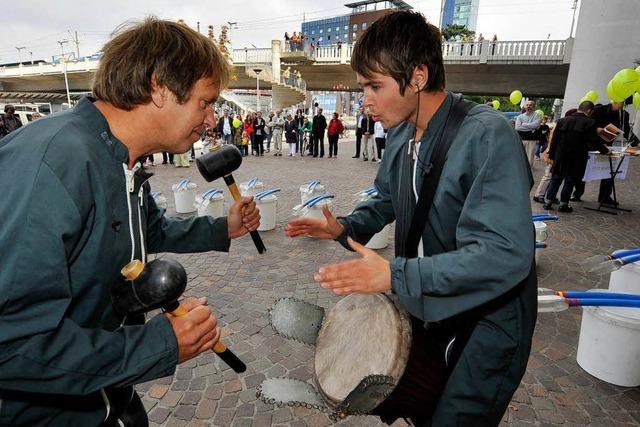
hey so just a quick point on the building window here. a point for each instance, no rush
(320, 32)
(337, 29)
(320, 39)
(355, 35)
(313, 32)
(346, 27)
(364, 25)
(355, 27)
(329, 30)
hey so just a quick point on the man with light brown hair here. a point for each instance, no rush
(66, 357)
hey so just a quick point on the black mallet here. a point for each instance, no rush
(159, 284)
(221, 164)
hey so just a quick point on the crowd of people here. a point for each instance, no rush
(258, 135)
(565, 149)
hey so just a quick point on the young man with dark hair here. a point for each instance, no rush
(66, 357)
(468, 273)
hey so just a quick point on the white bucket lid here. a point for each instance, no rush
(190, 186)
(267, 199)
(624, 316)
(304, 188)
(540, 225)
(215, 197)
(258, 184)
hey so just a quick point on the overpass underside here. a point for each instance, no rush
(539, 80)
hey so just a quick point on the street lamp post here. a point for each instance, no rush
(19, 49)
(257, 71)
(64, 69)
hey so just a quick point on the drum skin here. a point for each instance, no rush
(362, 335)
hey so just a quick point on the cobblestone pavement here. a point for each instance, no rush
(242, 285)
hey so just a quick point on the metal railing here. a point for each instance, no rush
(260, 55)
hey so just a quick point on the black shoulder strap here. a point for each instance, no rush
(438, 158)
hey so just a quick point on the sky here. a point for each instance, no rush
(36, 26)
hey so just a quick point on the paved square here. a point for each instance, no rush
(242, 285)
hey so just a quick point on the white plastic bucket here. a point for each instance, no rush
(541, 235)
(627, 279)
(160, 200)
(213, 206)
(267, 206)
(314, 211)
(380, 240)
(246, 189)
(609, 344)
(185, 197)
(307, 193)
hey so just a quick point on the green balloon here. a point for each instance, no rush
(584, 98)
(636, 100)
(540, 113)
(625, 82)
(638, 69)
(612, 94)
(496, 104)
(592, 96)
(515, 97)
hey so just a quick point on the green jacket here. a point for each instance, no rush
(478, 246)
(71, 219)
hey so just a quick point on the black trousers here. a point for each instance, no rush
(606, 188)
(318, 143)
(358, 142)
(333, 145)
(165, 155)
(554, 186)
(380, 145)
(578, 189)
(258, 142)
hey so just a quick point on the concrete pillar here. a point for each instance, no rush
(275, 59)
(606, 41)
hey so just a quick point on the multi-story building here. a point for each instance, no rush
(460, 12)
(347, 28)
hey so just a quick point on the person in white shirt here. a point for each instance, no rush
(380, 134)
(527, 125)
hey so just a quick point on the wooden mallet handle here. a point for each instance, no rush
(233, 188)
(219, 348)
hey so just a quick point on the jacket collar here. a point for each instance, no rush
(99, 125)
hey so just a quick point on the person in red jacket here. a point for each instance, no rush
(333, 133)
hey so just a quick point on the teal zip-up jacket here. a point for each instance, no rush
(478, 247)
(72, 217)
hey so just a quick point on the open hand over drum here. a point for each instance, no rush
(369, 274)
(328, 228)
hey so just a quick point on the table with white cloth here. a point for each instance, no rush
(607, 166)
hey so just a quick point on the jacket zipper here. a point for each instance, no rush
(129, 175)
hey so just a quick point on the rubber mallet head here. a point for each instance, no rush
(220, 163)
(147, 287)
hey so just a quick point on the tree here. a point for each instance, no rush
(210, 34)
(223, 41)
(455, 32)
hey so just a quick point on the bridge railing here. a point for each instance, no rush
(545, 50)
(244, 56)
(465, 52)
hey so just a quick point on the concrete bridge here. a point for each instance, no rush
(537, 68)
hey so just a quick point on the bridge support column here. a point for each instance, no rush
(605, 42)
(275, 59)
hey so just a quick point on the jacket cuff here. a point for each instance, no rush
(162, 332)
(346, 232)
(220, 235)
